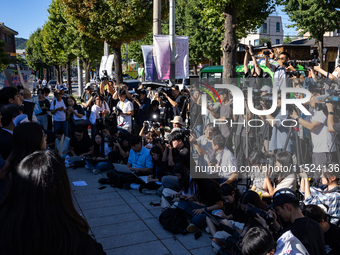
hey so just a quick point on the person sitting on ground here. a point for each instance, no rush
(158, 171)
(65, 150)
(257, 175)
(80, 145)
(140, 159)
(8, 112)
(328, 195)
(41, 187)
(284, 178)
(207, 197)
(259, 240)
(232, 204)
(250, 197)
(27, 138)
(100, 160)
(308, 231)
(331, 231)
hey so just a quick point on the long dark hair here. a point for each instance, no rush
(251, 197)
(40, 200)
(286, 160)
(155, 149)
(208, 191)
(27, 138)
(227, 190)
(99, 150)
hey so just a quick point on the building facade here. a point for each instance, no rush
(271, 28)
(8, 36)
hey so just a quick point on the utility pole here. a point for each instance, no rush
(80, 76)
(172, 41)
(156, 31)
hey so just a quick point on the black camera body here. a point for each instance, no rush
(111, 139)
(213, 162)
(162, 91)
(313, 62)
(117, 111)
(105, 77)
(252, 210)
(159, 139)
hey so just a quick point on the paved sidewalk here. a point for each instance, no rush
(124, 222)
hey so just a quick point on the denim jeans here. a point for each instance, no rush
(196, 219)
(169, 181)
(42, 120)
(103, 165)
(61, 124)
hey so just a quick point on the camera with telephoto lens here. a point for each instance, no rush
(111, 139)
(105, 77)
(313, 62)
(291, 62)
(162, 91)
(117, 111)
(293, 73)
(162, 141)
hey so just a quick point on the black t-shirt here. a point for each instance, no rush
(79, 109)
(253, 81)
(182, 156)
(332, 240)
(44, 103)
(176, 111)
(82, 146)
(310, 234)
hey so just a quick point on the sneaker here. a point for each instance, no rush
(87, 167)
(192, 228)
(96, 171)
(134, 186)
(148, 192)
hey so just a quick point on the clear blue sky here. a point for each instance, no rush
(26, 16)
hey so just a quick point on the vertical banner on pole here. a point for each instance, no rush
(148, 61)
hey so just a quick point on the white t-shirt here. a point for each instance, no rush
(124, 121)
(95, 110)
(59, 115)
(227, 162)
(322, 140)
(66, 144)
(44, 82)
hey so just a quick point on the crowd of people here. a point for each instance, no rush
(162, 138)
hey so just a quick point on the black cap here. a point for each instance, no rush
(283, 196)
(121, 92)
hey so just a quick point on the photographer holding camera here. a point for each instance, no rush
(124, 111)
(322, 140)
(87, 97)
(256, 71)
(143, 104)
(176, 102)
(331, 76)
(98, 112)
(280, 71)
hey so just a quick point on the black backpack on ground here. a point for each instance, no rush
(119, 179)
(174, 220)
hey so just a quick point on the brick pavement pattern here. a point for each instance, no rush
(124, 222)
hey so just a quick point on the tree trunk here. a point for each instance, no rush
(195, 69)
(68, 73)
(57, 69)
(229, 43)
(320, 48)
(87, 64)
(118, 64)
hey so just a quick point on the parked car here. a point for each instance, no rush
(52, 84)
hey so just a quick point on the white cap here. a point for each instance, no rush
(266, 88)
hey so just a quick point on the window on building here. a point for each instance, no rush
(10, 41)
(338, 31)
(4, 37)
(277, 41)
(249, 42)
(277, 26)
(263, 29)
(256, 42)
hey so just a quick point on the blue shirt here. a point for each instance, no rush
(142, 159)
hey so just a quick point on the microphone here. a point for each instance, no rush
(326, 98)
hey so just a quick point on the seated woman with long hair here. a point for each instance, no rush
(284, 178)
(38, 215)
(28, 137)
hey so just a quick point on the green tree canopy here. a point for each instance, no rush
(287, 39)
(234, 18)
(313, 16)
(4, 59)
(113, 21)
